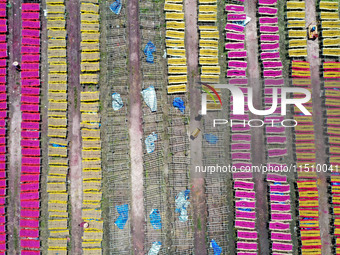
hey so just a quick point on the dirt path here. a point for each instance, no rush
(14, 125)
(321, 157)
(136, 130)
(74, 88)
(290, 133)
(44, 126)
(197, 181)
(257, 136)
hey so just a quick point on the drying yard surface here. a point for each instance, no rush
(106, 147)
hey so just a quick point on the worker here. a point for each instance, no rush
(84, 225)
(17, 66)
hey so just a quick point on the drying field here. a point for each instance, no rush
(99, 104)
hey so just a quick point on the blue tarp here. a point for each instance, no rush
(123, 211)
(155, 219)
(57, 145)
(243, 22)
(117, 101)
(217, 249)
(179, 103)
(212, 139)
(154, 250)
(116, 6)
(149, 96)
(277, 193)
(244, 209)
(148, 50)
(181, 205)
(150, 142)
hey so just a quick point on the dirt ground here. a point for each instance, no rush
(14, 125)
(197, 181)
(136, 131)
(74, 88)
(257, 141)
(321, 157)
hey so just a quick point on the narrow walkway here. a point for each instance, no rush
(74, 88)
(321, 157)
(44, 130)
(13, 143)
(197, 180)
(257, 136)
(136, 130)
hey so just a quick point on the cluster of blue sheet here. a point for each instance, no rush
(212, 139)
(149, 49)
(123, 211)
(150, 142)
(116, 6)
(154, 250)
(155, 219)
(117, 102)
(150, 98)
(217, 249)
(182, 203)
(179, 103)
